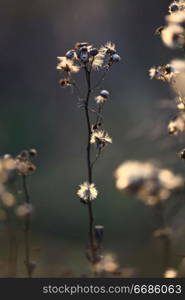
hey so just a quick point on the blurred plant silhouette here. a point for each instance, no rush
(11, 207)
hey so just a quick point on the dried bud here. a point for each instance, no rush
(173, 8)
(182, 154)
(70, 54)
(115, 58)
(169, 69)
(83, 54)
(65, 83)
(24, 167)
(99, 231)
(96, 126)
(84, 57)
(159, 30)
(24, 154)
(93, 52)
(33, 152)
(104, 93)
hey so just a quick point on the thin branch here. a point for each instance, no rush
(96, 158)
(89, 167)
(102, 78)
(28, 263)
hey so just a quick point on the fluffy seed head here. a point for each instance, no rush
(87, 192)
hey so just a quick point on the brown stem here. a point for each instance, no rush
(89, 167)
(28, 263)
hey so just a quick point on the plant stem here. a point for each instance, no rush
(27, 229)
(89, 167)
(165, 239)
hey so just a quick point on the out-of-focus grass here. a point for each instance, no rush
(55, 257)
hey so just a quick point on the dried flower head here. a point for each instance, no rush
(176, 6)
(98, 60)
(87, 192)
(8, 199)
(107, 264)
(24, 210)
(176, 18)
(178, 65)
(169, 180)
(100, 138)
(70, 54)
(173, 36)
(164, 73)
(24, 165)
(110, 48)
(170, 273)
(180, 101)
(67, 65)
(177, 125)
(149, 183)
(65, 83)
(102, 97)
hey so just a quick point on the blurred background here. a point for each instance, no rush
(36, 113)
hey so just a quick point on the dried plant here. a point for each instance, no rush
(173, 36)
(25, 167)
(84, 57)
(10, 170)
(153, 186)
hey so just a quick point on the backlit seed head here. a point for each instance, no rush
(87, 192)
(110, 48)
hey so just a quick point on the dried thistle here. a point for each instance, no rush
(173, 36)
(88, 58)
(24, 168)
